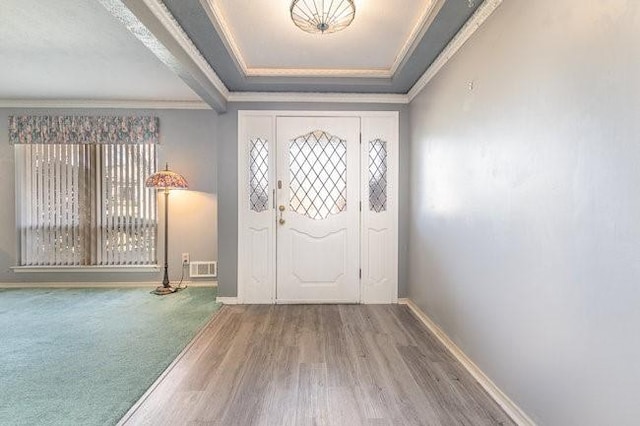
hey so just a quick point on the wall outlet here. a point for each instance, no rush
(185, 258)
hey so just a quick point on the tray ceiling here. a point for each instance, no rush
(254, 46)
(264, 42)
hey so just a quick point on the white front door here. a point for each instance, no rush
(318, 209)
(335, 175)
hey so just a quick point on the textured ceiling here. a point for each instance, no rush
(254, 45)
(75, 49)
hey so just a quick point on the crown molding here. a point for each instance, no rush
(374, 98)
(294, 97)
(219, 22)
(468, 29)
(165, 17)
(106, 104)
(222, 27)
(417, 32)
(318, 72)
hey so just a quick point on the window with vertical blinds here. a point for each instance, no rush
(82, 204)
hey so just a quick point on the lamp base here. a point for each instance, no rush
(163, 291)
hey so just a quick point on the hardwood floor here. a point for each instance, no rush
(317, 365)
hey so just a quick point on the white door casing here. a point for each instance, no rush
(259, 134)
(318, 199)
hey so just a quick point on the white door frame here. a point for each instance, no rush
(378, 231)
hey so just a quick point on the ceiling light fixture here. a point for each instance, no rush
(322, 16)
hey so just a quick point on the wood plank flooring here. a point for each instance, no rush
(317, 365)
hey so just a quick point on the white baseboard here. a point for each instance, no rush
(201, 283)
(228, 300)
(78, 284)
(510, 407)
(104, 284)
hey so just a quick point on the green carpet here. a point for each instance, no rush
(85, 356)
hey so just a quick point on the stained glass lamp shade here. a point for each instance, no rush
(322, 16)
(166, 180)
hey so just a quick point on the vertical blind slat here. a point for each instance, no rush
(109, 207)
(64, 207)
(75, 155)
(48, 192)
(97, 205)
(85, 233)
(25, 205)
(138, 197)
(58, 206)
(116, 199)
(130, 218)
(125, 210)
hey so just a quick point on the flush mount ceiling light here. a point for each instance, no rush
(322, 16)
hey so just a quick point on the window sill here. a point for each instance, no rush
(87, 269)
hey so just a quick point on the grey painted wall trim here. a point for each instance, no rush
(470, 27)
(103, 104)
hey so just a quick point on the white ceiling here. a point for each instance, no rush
(75, 49)
(265, 42)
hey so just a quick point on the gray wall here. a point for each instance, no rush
(188, 142)
(228, 184)
(525, 208)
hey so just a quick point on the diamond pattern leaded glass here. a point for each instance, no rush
(259, 175)
(318, 175)
(378, 175)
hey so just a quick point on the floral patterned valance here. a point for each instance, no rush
(61, 129)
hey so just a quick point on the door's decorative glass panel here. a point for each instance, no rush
(378, 175)
(259, 175)
(318, 175)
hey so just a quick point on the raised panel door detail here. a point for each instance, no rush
(377, 256)
(259, 255)
(309, 267)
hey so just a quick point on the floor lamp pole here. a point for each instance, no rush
(165, 280)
